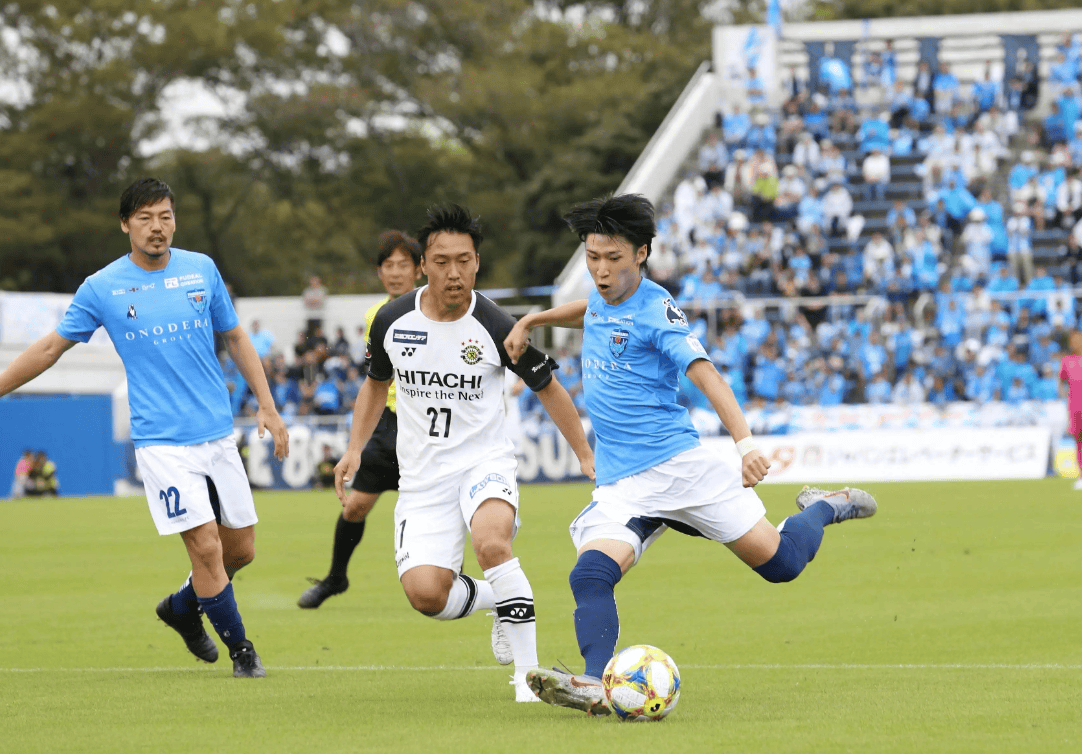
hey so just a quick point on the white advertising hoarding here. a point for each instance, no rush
(915, 455)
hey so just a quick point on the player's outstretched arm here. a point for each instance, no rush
(705, 377)
(367, 409)
(570, 314)
(558, 404)
(39, 356)
(244, 355)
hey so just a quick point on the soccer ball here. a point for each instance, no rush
(641, 683)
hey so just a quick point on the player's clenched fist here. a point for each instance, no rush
(343, 472)
(516, 341)
(754, 467)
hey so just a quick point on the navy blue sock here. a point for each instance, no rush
(597, 624)
(184, 602)
(222, 612)
(800, 539)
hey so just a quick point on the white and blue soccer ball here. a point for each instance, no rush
(641, 683)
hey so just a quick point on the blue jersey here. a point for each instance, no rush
(632, 357)
(162, 324)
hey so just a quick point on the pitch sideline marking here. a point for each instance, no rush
(437, 668)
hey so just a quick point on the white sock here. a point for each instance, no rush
(467, 596)
(514, 605)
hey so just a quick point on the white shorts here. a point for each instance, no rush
(695, 492)
(177, 480)
(430, 526)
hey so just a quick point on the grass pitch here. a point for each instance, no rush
(949, 622)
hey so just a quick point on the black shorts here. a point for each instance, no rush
(379, 459)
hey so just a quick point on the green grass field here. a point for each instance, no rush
(949, 622)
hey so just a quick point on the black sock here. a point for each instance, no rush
(347, 535)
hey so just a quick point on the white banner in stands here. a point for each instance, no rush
(916, 455)
(738, 47)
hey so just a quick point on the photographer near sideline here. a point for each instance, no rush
(42, 477)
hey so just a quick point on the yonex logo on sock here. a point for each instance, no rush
(517, 610)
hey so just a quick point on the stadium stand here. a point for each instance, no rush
(887, 219)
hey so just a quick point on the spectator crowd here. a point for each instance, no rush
(321, 376)
(876, 239)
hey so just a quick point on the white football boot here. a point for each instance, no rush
(501, 645)
(523, 693)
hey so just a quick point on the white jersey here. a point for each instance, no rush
(449, 378)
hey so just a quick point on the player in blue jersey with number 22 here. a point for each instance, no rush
(161, 307)
(652, 473)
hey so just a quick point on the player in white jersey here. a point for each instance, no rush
(652, 473)
(443, 347)
(161, 307)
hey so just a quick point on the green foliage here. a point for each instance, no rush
(91, 76)
(356, 116)
(559, 112)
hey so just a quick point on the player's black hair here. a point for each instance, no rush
(626, 216)
(450, 218)
(390, 241)
(141, 193)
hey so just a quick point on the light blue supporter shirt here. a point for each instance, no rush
(162, 324)
(632, 357)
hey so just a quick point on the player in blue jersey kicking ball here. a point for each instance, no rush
(161, 307)
(652, 473)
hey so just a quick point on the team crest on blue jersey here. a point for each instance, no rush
(131, 312)
(673, 313)
(618, 342)
(198, 300)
